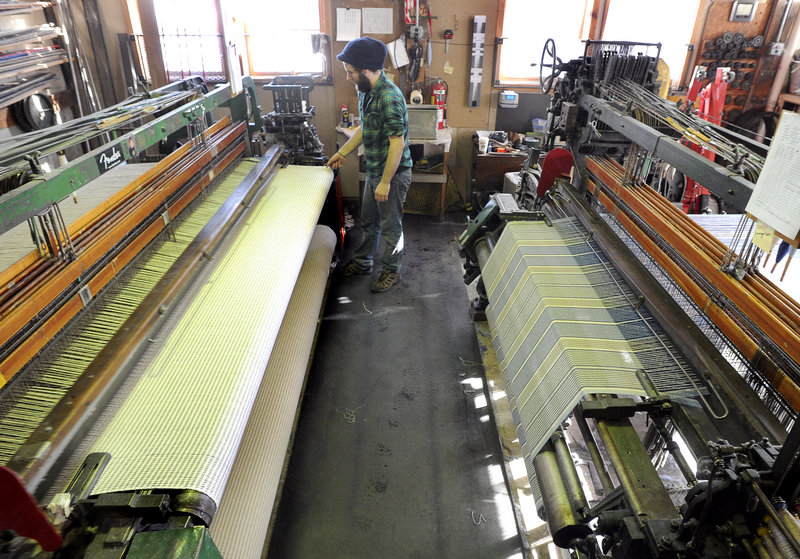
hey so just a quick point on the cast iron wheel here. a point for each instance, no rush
(555, 66)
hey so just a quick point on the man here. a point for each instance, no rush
(384, 133)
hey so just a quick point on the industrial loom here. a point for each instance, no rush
(652, 370)
(160, 295)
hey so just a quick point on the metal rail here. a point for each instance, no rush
(725, 183)
(19, 204)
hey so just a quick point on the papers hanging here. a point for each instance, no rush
(377, 21)
(348, 24)
(776, 197)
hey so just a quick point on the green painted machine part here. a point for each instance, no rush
(180, 543)
(475, 227)
(39, 194)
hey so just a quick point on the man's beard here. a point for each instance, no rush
(362, 83)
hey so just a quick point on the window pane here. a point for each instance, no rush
(669, 23)
(285, 47)
(527, 24)
(190, 39)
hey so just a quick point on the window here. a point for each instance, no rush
(525, 25)
(285, 47)
(193, 43)
(666, 23)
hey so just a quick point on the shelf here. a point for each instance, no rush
(27, 37)
(12, 94)
(30, 63)
(5, 6)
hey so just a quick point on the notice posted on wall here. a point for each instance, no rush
(377, 21)
(348, 24)
(776, 197)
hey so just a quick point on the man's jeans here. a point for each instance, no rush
(383, 217)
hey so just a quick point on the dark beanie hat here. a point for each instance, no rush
(364, 52)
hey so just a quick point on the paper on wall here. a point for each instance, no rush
(348, 24)
(397, 52)
(377, 21)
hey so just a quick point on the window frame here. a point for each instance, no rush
(325, 27)
(155, 57)
(599, 12)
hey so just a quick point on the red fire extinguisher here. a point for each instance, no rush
(439, 98)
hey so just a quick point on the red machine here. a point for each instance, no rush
(710, 103)
(439, 98)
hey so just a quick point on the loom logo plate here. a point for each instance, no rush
(110, 158)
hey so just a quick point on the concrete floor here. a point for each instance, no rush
(396, 453)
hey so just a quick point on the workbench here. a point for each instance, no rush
(443, 140)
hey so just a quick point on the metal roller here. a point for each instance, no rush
(564, 526)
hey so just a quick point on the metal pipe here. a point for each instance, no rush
(766, 537)
(483, 250)
(564, 527)
(68, 43)
(789, 520)
(618, 462)
(792, 537)
(568, 472)
(780, 539)
(594, 453)
(783, 20)
(758, 545)
(748, 548)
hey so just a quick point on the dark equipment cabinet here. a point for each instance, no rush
(488, 171)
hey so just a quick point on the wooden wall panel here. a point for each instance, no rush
(756, 68)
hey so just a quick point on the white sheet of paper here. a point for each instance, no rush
(398, 53)
(377, 21)
(776, 197)
(348, 24)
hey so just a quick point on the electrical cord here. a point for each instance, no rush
(415, 61)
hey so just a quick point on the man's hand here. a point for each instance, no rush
(382, 192)
(336, 161)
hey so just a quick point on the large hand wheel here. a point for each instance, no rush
(555, 66)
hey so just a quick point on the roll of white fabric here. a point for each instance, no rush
(240, 525)
(181, 426)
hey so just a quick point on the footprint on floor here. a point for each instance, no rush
(383, 449)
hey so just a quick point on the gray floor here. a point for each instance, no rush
(417, 471)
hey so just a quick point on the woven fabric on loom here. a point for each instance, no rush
(180, 428)
(565, 326)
